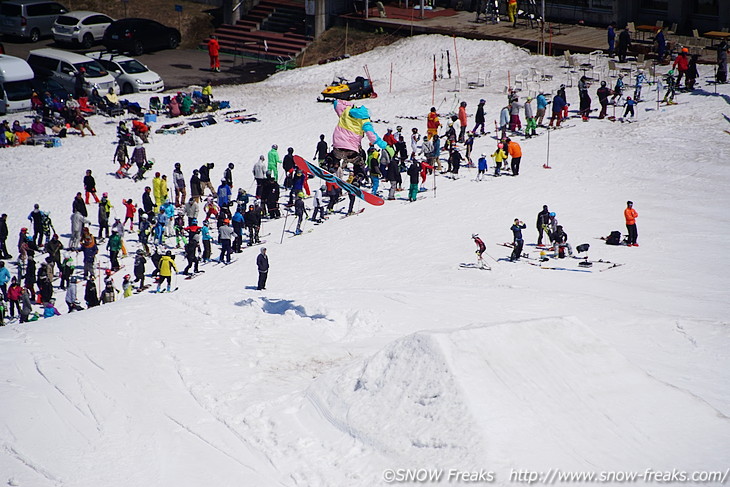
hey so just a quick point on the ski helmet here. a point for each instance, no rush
(482, 101)
(552, 213)
(603, 83)
(474, 235)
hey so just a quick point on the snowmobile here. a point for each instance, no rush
(341, 89)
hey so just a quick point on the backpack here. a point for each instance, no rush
(614, 238)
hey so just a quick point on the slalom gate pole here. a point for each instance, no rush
(547, 162)
(456, 53)
(390, 88)
(433, 171)
(283, 229)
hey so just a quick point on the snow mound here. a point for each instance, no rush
(537, 393)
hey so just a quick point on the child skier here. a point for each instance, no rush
(481, 248)
(629, 107)
(640, 80)
(482, 167)
(499, 157)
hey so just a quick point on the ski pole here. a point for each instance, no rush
(495, 260)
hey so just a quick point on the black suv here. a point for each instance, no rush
(138, 36)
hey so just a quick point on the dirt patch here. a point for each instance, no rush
(195, 23)
(338, 41)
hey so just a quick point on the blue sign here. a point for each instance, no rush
(178, 8)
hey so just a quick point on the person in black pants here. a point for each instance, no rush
(4, 236)
(262, 262)
(543, 218)
(518, 242)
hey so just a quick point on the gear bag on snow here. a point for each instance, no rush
(614, 238)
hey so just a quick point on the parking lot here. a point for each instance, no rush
(179, 68)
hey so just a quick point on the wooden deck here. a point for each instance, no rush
(558, 37)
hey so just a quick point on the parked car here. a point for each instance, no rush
(41, 85)
(81, 27)
(29, 19)
(138, 36)
(131, 75)
(15, 84)
(64, 67)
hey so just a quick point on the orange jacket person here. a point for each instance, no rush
(630, 215)
(213, 48)
(515, 151)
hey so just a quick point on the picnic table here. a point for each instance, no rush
(643, 29)
(714, 34)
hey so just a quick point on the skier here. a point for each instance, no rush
(559, 105)
(166, 266)
(413, 172)
(90, 294)
(481, 248)
(542, 104)
(629, 104)
(455, 163)
(225, 233)
(114, 245)
(585, 99)
(432, 123)
(319, 205)
(273, 162)
(105, 208)
(515, 123)
(90, 186)
(108, 294)
(517, 240)
(543, 218)
(127, 286)
(692, 73)
(640, 80)
(722, 49)
(252, 220)
(36, 217)
(671, 88)
(499, 157)
(603, 93)
(262, 264)
(71, 297)
(139, 270)
(479, 118)
(288, 165)
(618, 88)
(300, 211)
(630, 215)
(681, 63)
(482, 167)
(530, 129)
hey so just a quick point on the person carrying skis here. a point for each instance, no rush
(517, 240)
(166, 267)
(481, 248)
(630, 215)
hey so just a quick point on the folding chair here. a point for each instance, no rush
(612, 68)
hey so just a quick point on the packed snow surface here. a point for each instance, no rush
(371, 349)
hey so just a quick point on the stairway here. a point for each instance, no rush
(273, 30)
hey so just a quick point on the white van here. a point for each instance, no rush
(15, 84)
(63, 67)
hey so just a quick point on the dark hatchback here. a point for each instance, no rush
(138, 36)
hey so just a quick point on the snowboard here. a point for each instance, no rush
(309, 168)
